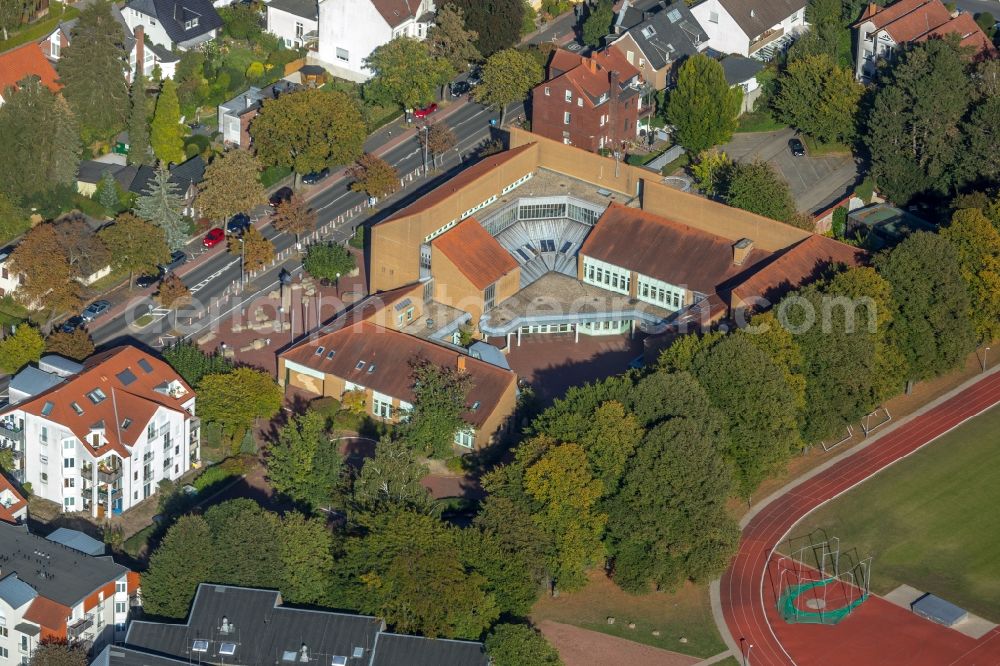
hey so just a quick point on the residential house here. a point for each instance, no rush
(138, 179)
(57, 40)
(757, 28)
(22, 62)
(655, 37)
(882, 30)
(295, 22)
(743, 72)
(99, 436)
(236, 114)
(13, 505)
(592, 102)
(173, 24)
(239, 625)
(349, 30)
(9, 280)
(49, 591)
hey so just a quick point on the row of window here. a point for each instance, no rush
(606, 275)
(661, 293)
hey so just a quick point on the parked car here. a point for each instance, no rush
(144, 281)
(71, 324)
(95, 310)
(213, 237)
(238, 224)
(459, 88)
(426, 111)
(315, 176)
(281, 196)
(795, 145)
(177, 259)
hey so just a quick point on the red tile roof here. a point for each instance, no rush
(592, 75)
(918, 20)
(969, 32)
(25, 61)
(7, 512)
(476, 254)
(396, 11)
(48, 614)
(390, 353)
(136, 399)
(663, 249)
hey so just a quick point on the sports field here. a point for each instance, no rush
(931, 520)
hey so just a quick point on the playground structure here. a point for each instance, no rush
(814, 587)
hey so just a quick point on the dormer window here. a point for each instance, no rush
(193, 23)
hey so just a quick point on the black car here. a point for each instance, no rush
(144, 281)
(459, 88)
(71, 324)
(177, 259)
(238, 224)
(315, 176)
(281, 196)
(795, 145)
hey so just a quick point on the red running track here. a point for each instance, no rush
(747, 603)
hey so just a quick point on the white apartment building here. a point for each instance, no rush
(295, 22)
(754, 28)
(99, 437)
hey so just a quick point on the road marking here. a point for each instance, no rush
(201, 285)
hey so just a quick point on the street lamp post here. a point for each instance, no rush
(336, 284)
(426, 130)
(985, 351)
(745, 653)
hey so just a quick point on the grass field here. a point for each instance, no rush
(684, 614)
(930, 520)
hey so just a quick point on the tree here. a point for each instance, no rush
(240, 527)
(107, 193)
(39, 141)
(497, 23)
(977, 244)
(508, 76)
(12, 14)
(13, 220)
(84, 250)
(309, 130)
(703, 108)
(373, 176)
(172, 291)
(237, 399)
(135, 245)
(610, 443)
(306, 554)
(139, 150)
(231, 185)
(166, 134)
(404, 72)
(598, 23)
(982, 163)
(256, 250)
(326, 261)
(184, 559)
(161, 203)
(912, 129)
(294, 216)
(711, 170)
(24, 346)
(76, 345)
(437, 140)
(450, 39)
(47, 277)
(391, 480)
(758, 187)
(520, 645)
(935, 330)
(90, 70)
(438, 404)
(514, 551)
(819, 98)
(304, 463)
(53, 652)
(192, 364)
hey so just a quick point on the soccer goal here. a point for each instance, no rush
(816, 585)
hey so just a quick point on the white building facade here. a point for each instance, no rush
(294, 22)
(757, 28)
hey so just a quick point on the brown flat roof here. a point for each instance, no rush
(476, 254)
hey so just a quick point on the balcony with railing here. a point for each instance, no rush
(109, 472)
(79, 630)
(12, 429)
(102, 494)
(766, 38)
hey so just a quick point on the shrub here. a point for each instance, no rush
(839, 222)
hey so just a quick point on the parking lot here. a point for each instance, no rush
(815, 181)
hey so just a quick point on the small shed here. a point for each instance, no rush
(938, 610)
(313, 75)
(77, 540)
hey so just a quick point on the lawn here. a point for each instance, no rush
(684, 614)
(759, 121)
(35, 31)
(816, 148)
(931, 520)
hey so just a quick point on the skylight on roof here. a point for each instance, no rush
(674, 15)
(146, 367)
(359, 652)
(475, 405)
(338, 661)
(648, 31)
(371, 368)
(227, 649)
(319, 351)
(47, 408)
(96, 396)
(289, 655)
(330, 354)
(126, 377)
(126, 422)
(76, 408)
(360, 365)
(200, 645)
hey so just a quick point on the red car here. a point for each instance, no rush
(213, 237)
(426, 111)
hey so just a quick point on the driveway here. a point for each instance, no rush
(816, 182)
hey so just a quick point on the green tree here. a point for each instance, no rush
(439, 396)
(19, 349)
(510, 549)
(373, 176)
(391, 480)
(237, 399)
(497, 24)
(53, 652)
(107, 193)
(184, 559)
(934, 326)
(610, 443)
(139, 150)
(977, 244)
(12, 14)
(511, 576)
(309, 130)
(508, 76)
(404, 72)
(703, 108)
(90, 70)
(982, 132)
(166, 134)
(758, 187)
(240, 527)
(819, 98)
(598, 23)
(231, 185)
(520, 645)
(13, 220)
(326, 261)
(294, 216)
(76, 345)
(306, 554)
(450, 39)
(679, 356)
(135, 245)
(162, 204)
(191, 363)
(912, 129)
(711, 170)
(304, 463)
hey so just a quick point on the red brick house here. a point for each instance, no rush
(592, 102)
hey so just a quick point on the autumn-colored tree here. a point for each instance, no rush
(294, 216)
(373, 176)
(172, 291)
(438, 139)
(54, 652)
(135, 245)
(231, 185)
(256, 250)
(46, 277)
(449, 38)
(76, 344)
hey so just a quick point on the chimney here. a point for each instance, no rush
(591, 64)
(461, 363)
(741, 250)
(140, 51)
(647, 14)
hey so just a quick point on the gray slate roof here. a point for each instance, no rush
(15, 591)
(173, 14)
(307, 9)
(665, 32)
(33, 381)
(137, 179)
(399, 650)
(757, 16)
(739, 69)
(59, 573)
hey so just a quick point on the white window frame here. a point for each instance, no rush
(465, 437)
